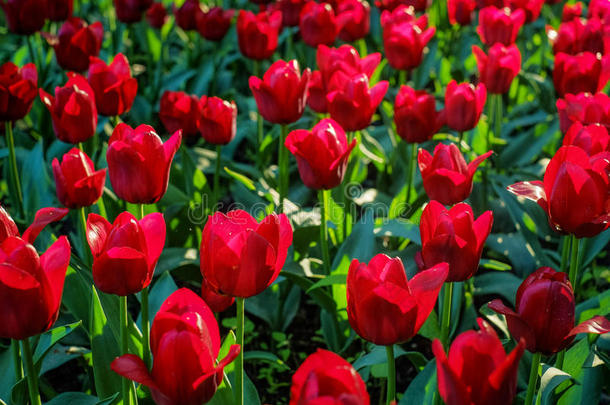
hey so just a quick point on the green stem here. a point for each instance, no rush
(259, 117)
(16, 359)
(446, 314)
(402, 78)
(531, 386)
(323, 197)
(32, 375)
(83, 222)
(101, 206)
(13, 166)
(31, 52)
(239, 362)
(497, 119)
(283, 162)
(573, 275)
(565, 253)
(124, 338)
(391, 394)
(411, 172)
(145, 327)
(461, 139)
(217, 177)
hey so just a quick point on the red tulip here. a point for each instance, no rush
(130, 11)
(499, 67)
(579, 35)
(257, 33)
(593, 138)
(460, 11)
(72, 109)
(478, 371)
(76, 42)
(453, 236)
(24, 17)
(584, 72)
(291, 11)
(76, 181)
(59, 10)
(17, 90)
(574, 192)
(384, 307)
(180, 111)
(571, 12)
(354, 105)
(481, 4)
(532, 8)
(156, 15)
(585, 108)
(354, 18)
(463, 105)
(139, 163)
(240, 257)
(113, 85)
(185, 343)
(217, 302)
(218, 121)
(214, 23)
(404, 37)
(599, 9)
(326, 378)
(391, 5)
(186, 15)
(125, 252)
(500, 25)
(318, 24)
(281, 95)
(30, 286)
(321, 154)
(415, 115)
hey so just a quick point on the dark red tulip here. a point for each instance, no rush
(544, 315)
(599, 9)
(72, 109)
(318, 24)
(156, 15)
(500, 25)
(59, 10)
(571, 12)
(391, 5)
(180, 111)
(585, 108)
(281, 95)
(463, 105)
(139, 163)
(498, 67)
(321, 154)
(24, 17)
(214, 23)
(217, 302)
(113, 85)
(186, 15)
(31, 286)
(531, 8)
(593, 138)
(125, 252)
(580, 35)
(354, 105)
(17, 90)
(257, 33)
(461, 11)
(481, 4)
(130, 11)
(76, 181)
(326, 378)
(185, 344)
(454, 237)
(241, 257)
(354, 18)
(585, 72)
(218, 120)
(478, 371)
(76, 42)
(405, 37)
(291, 11)
(415, 115)
(384, 307)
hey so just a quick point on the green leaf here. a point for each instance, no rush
(49, 338)
(254, 355)
(332, 279)
(423, 387)
(79, 398)
(163, 288)
(551, 378)
(249, 184)
(321, 297)
(494, 283)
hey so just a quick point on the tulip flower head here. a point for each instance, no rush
(593, 138)
(217, 302)
(415, 115)
(499, 25)
(24, 17)
(218, 120)
(76, 181)
(76, 42)
(354, 18)
(180, 111)
(579, 35)
(585, 72)
(59, 10)
(214, 23)
(17, 90)
(156, 15)
(130, 11)
(585, 108)
(186, 15)
(571, 12)
(113, 85)
(463, 105)
(257, 33)
(461, 11)
(318, 24)
(531, 8)
(498, 67)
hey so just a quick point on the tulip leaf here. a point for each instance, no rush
(378, 355)
(423, 387)
(80, 398)
(163, 288)
(504, 284)
(551, 378)
(400, 228)
(7, 373)
(49, 338)
(19, 392)
(332, 279)
(269, 357)
(321, 297)
(593, 246)
(174, 257)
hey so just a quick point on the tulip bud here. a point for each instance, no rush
(180, 111)
(463, 105)
(499, 67)
(59, 10)
(17, 90)
(585, 108)
(214, 23)
(130, 11)
(76, 42)
(113, 85)
(415, 115)
(584, 72)
(24, 17)
(318, 24)
(499, 25)
(257, 33)
(460, 11)
(76, 181)
(218, 121)
(156, 15)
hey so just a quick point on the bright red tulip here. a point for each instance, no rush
(593, 138)
(130, 11)
(318, 24)
(461, 11)
(585, 72)
(384, 307)
(113, 85)
(404, 37)
(218, 121)
(17, 90)
(241, 257)
(8, 227)
(321, 154)
(257, 33)
(354, 105)
(291, 11)
(454, 237)
(574, 193)
(326, 378)
(156, 15)
(281, 95)
(531, 8)
(59, 10)
(217, 302)
(186, 15)
(354, 18)
(214, 23)
(391, 5)
(463, 105)
(139, 163)
(125, 252)
(478, 371)
(180, 111)
(498, 67)
(580, 35)
(76, 181)
(24, 17)
(571, 12)
(415, 115)
(585, 108)
(185, 344)
(72, 109)
(599, 9)
(500, 25)
(76, 42)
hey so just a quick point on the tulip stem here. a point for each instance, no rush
(531, 386)
(239, 365)
(259, 117)
(32, 375)
(33, 57)
(283, 162)
(446, 314)
(83, 223)
(124, 338)
(565, 252)
(461, 139)
(323, 197)
(217, 177)
(13, 166)
(497, 119)
(16, 359)
(145, 327)
(391, 394)
(411, 172)
(573, 275)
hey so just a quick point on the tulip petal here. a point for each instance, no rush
(472, 166)
(425, 287)
(598, 325)
(133, 368)
(153, 226)
(502, 386)
(517, 326)
(54, 263)
(231, 355)
(532, 190)
(121, 271)
(43, 217)
(450, 386)
(98, 229)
